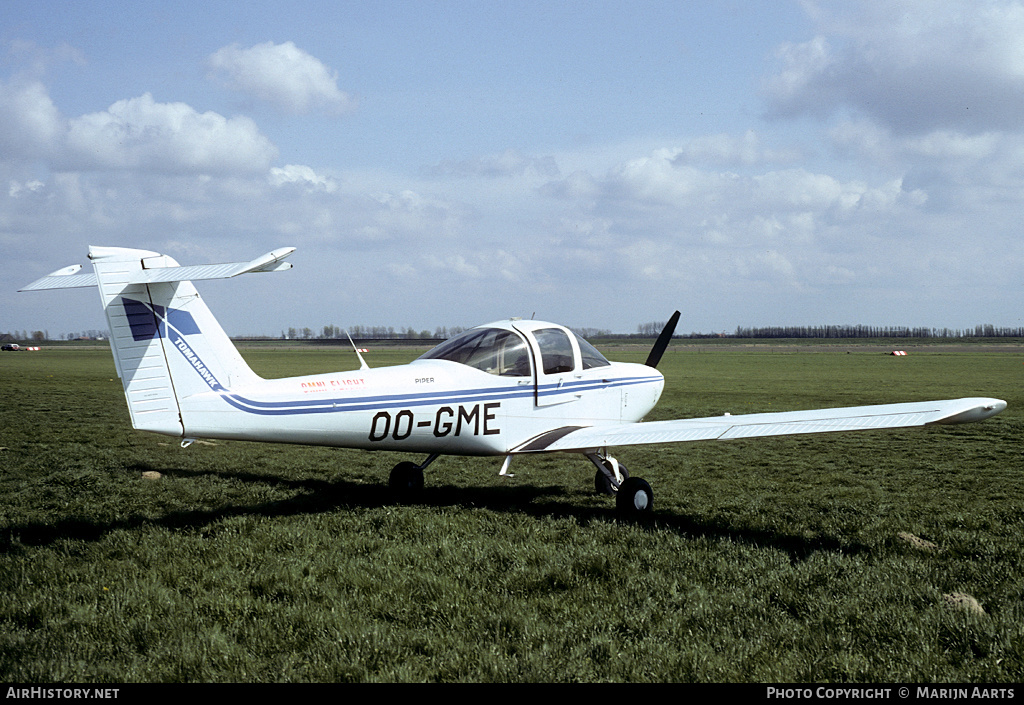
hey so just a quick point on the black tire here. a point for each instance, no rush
(602, 485)
(406, 479)
(634, 498)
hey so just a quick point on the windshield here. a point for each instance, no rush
(591, 357)
(496, 351)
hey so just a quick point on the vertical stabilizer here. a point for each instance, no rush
(167, 345)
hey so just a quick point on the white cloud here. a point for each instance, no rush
(915, 66)
(665, 188)
(37, 60)
(136, 133)
(280, 74)
(796, 87)
(302, 175)
(727, 149)
(31, 123)
(664, 219)
(140, 133)
(18, 189)
(947, 144)
(658, 177)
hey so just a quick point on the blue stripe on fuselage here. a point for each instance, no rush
(370, 403)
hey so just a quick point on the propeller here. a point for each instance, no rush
(662, 342)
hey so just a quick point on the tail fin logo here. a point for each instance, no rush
(149, 321)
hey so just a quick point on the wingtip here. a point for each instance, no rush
(976, 409)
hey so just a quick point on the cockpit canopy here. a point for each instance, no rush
(505, 352)
(500, 352)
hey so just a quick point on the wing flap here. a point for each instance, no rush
(855, 418)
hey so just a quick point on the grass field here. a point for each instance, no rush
(792, 559)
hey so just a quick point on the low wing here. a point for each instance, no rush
(854, 418)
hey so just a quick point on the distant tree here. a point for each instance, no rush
(649, 330)
(588, 333)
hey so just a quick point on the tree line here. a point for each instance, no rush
(360, 332)
(644, 330)
(653, 328)
(861, 331)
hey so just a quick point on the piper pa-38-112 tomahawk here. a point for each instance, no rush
(502, 389)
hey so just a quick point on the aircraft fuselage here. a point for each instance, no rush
(427, 406)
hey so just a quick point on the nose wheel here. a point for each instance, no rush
(633, 496)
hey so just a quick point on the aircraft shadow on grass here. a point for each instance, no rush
(327, 496)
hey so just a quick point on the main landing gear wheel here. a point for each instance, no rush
(406, 479)
(603, 483)
(634, 498)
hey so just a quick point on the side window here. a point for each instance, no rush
(555, 350)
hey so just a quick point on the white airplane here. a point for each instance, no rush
(502, 389)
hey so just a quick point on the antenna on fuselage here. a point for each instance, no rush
(362, 362)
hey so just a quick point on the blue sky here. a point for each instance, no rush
(599, 164)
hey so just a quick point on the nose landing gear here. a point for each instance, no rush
(633, 496)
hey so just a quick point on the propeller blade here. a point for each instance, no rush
(662, 342)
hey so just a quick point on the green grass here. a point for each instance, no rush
(772, 560)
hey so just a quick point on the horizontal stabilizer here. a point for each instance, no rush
(65, 278)
(270, 262)
(73, 281)
(854, 418)
(155, 270)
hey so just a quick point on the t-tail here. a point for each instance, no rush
(167, 345)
